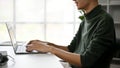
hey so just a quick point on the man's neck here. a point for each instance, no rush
(90, 7)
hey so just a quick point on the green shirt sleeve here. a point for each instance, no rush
(75, 40)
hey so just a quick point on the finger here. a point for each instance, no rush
(29, 48)
(29, 45)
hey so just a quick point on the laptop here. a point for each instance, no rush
(18, 48)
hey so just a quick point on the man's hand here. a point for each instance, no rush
(37, 45)
(48, 43)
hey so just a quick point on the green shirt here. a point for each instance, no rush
(95, 40)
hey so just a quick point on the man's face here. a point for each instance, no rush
(81, 4)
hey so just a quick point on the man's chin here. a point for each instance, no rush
(79, 8)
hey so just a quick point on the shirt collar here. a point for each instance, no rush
(94, 12)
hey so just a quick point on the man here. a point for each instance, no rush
(94, 43)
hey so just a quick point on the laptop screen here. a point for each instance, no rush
(11, 32)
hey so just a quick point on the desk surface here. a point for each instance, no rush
(30, 60)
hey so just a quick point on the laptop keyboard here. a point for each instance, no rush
(21, 49)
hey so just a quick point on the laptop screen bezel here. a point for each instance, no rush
(10, 29)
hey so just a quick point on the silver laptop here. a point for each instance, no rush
(18, 49)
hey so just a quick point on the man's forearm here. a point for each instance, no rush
(58, 46)
(72, 58)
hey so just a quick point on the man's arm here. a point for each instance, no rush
(51, 44)
(72, 58)
(58, 46)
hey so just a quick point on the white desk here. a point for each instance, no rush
(30, 60)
